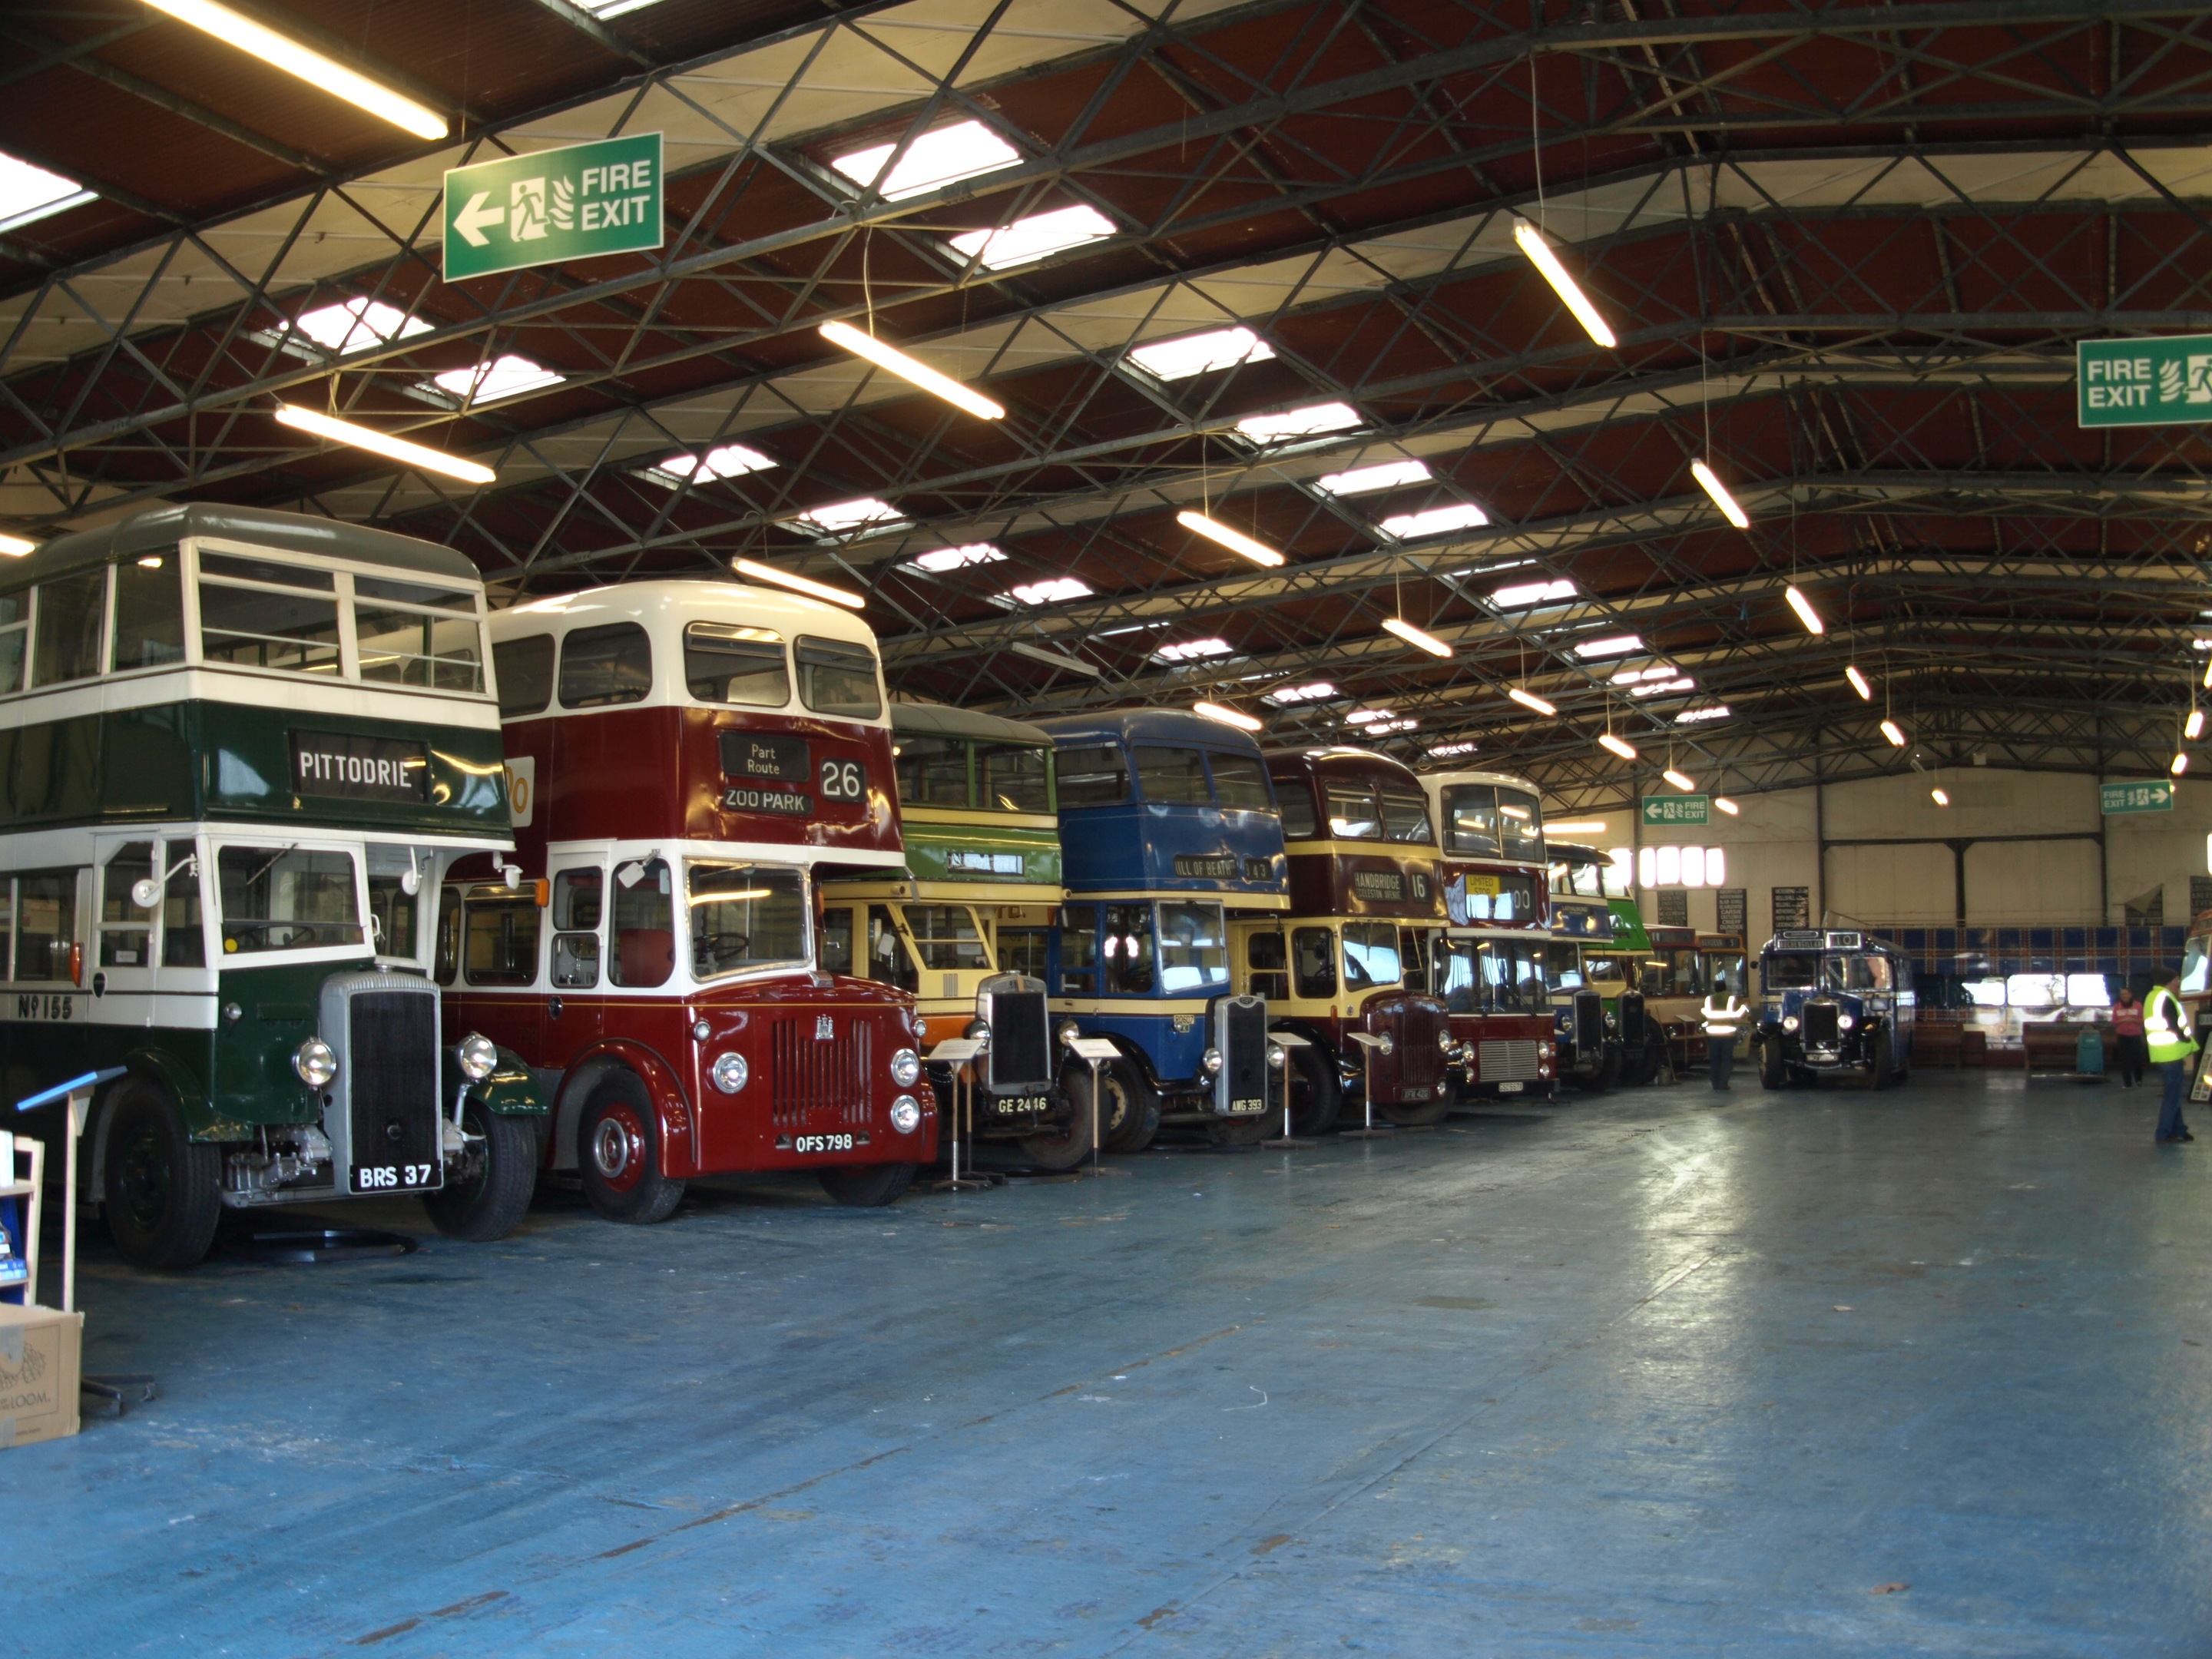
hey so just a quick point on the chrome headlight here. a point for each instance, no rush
(700, 1030)
(1544, 1051)
(906, 1116)
(1069, 1030)
(1789, 1022)
(906, 1068)
(1278, 1056)
(1844, 1021)
(1385, 1047)
(479, 1057)
(1212, 1061)
(730, 1072)
(316, 1062)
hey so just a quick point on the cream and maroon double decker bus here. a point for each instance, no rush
(686, 760)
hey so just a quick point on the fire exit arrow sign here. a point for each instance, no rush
(2162, 380)
(554, 206)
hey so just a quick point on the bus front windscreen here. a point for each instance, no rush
(1194, 947)
(745, 916)
(287, 898)
(1790, 970)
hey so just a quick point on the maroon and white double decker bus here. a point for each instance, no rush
(683, 759)
(1365, 885)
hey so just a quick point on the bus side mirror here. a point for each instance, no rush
(145, 892)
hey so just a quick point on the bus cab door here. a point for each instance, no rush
(574, 1008)
(121, 956)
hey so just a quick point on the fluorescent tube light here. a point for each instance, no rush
(236, 29)
(2193, 728)
(383, 443)
(1308, 422)
(1529, 700)
(1412, 635)
(1235, 540)
(1461, 516)
(1859, 682)
(1616, 645)
(1214, 711)
(1718, 711)
(797, 584)
(1526, 593)
(1714, 488)
(29, 193)
(1664, 687)
(2180, 765)
(1365, 716)
(918, 374)
(1201, 354)
(1384, 474)
(1939, 797)
(1681, 781)
(967, 150)
(1445, 750)
(1889, 729)
(14, 547)
(1037, 237)
(1727, 805)
(1619, 746)
(1540, 256)
(1806, 614)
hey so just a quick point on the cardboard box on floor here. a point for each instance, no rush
(40, 1350)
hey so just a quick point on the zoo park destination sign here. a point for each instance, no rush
(1661, 809)
(2161, 380)
(554, 206)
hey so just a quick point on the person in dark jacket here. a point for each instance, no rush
(2129, 1053)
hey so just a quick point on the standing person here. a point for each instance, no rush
(1724, 1018)
(2166, 1026)
(2128, 1050)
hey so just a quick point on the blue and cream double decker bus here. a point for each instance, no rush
(239, 747)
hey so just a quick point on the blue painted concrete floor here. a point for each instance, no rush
(1830, 1373)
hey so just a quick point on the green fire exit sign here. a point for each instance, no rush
(553, 206)
(2153, 797)
(2165, 379)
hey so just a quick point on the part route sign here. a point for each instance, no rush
(2160, 380)
(554, 206)
(1677, 809)
(2156, 797)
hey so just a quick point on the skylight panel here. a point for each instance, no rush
(357, 325)
(614, 8)
(1037, 237)
(1664, 688)
(1445, 750)
(29, 193)
(842, 518)
(1369, 716)
(1186, 650)
(938, 560)
(1658, 671)
(1613, 645)
(1436, 521)
(1312, 691)
(1200, 353)
(1522, 594)
(1051, 590)
(967, 150)
(1718, 711)
(495, 381)
(1382, 728)
(1384, 474)
(1308, 422)
(726, 461)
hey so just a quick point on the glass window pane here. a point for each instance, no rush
(1241, 781)
(392, 911)
(888, 961)
(1370, 955)
(1296, 804)
(69, 625)
(1127, 948)
(501, 944)
(412, 647)
(46, 925)
(834, 949)
(282, 898)
(1014, 776)
(524, 669)
(835, 678)
(1406, 818)
(933, 771)
(126, 931)
(184, 942)
(1458, 977)
(1566, 966)
(576, 897)
(1790, 970)
(432, 598)
(1194, 948)
(1519, 825)
(946, 937)
(645, 925)
(600, 666)
(1471, 820)
(1023, 950)
(1078, 950)
(1313, 962)
(268, 570)
(1352, 815)
(724, 663)
(250, 629)
(746, 916)
(1093, 776)
(149, 612)
(1172, 775)
(448, 965)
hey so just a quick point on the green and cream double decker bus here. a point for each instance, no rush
(237, 748)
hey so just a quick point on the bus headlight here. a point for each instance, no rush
(1069, 1030)
(316, 1062)
(730, 1072)
(479, 1055)
(1544, 1051)
(906, 1068)
(1845, 1022)
(1789, 1022)
(1212, 1061)
(1385, 1046)
(1444, 1040)
(906, 1116)
(1278, 1056)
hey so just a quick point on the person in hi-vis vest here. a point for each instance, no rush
(1724, 1018)
(2166, 1024)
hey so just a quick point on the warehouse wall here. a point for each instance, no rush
(2055, 883)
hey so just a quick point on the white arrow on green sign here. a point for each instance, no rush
(2156, 797)
(1677, 809)
(554, 206)
(2160, 380)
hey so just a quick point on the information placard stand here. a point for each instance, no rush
(1369, 1131)
(1095, 1052)
(959, 1053)
(1287, 1042)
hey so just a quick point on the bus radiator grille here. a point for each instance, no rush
(819, 1083)
(1420, 1032)
(391, 1076)
(1590, 1023)
(1509, 1060)
(1820, 1030)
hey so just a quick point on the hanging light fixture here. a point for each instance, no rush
(1619, 746)
(1412, 635)
(2193, 728)
(884, 356)
(2180, 765)
(797, 584)
(1214, 711)
(14, 547)
(1235, 540)
(1719, 491)
(1727, 805)
(1806, 614)
(1529, 700)
(1570, 295)
(1859, 682)
(384, 444)
(1681, 781)
(1939, 797)
(327, 74)
(1889, 729)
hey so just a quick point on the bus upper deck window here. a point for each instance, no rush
(745, 916)
(1093, 775)
(725, 663)
(65, 639)
(1406, 818)
(1352, 814)
(1519, 825)
(524, 668)
(602, 666)
(1172, 775)
(15, 637)
(839, 679)
(933, 771)
(1240, 781)
(645, 925)
(1295, 805)
(149, 612)
(1471, 820)
(1016, 776)
(408, 633)
(259, 613)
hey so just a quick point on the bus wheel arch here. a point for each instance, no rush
(672, 1111)
(622, 1151)
(1316, 1066)
(160, 1190)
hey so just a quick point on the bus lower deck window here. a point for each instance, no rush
(1269, 966)
(577, 900)
(947, 937)
(1127, 946)
(645, 926)
(887, 962)
(744, 916)
(833, 949)
(1194, 947)
(46, 925)
(286, 898)
(501, 944)
(1313, 962)
(126, 933)
(839, 679)
(1370, 955)
(1022, 950)
(1457, 977)
(1079, 951)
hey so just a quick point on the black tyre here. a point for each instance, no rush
(1130, 1113)
(1607, 1075)
(1063, 1146)
(1316, 1091)
(1415, 1114)
(493, 1205)
(1773, 1072)
(1238, 1131)
(618, 1153)
(865, 1186)
(1878, 1073)
(163, 1191)
(1638, 1070)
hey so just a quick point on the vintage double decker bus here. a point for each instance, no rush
(240, 747)
(1168, 837)
(1585, 963)
(1673, 972)
(1488, 962)
(687, 757)
(962, 927)
(1366, 883)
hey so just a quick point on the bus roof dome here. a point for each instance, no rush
(1145, 725)
(943, 720)
(292, 532)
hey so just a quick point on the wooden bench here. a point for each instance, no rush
(2047, 1049)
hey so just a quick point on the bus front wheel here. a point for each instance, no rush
(1772, 1073)
(865, 1186)
(491, 1206)
(618, 1153)
(1063, 1146)
(162, 1189)
(1129, 1110)
(1316, 1095)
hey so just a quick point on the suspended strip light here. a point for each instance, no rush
(1939, 797)
(1727, 805)
(796, 584)
(1714, 488)
(1530, 700)
(1889, 729)
(918, 374)
(1412, 635)
(2194, 727)
(1679, 780)
(1235, 540)
(2180, 765)
(1214, 711)
(1619, 746)
(383, 443)
(14, 547)
(1547, 263)
(1806, 614)
(1859, 682)
(236, 29)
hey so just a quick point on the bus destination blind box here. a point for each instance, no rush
(354, 766)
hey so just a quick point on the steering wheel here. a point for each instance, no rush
(724, 945)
